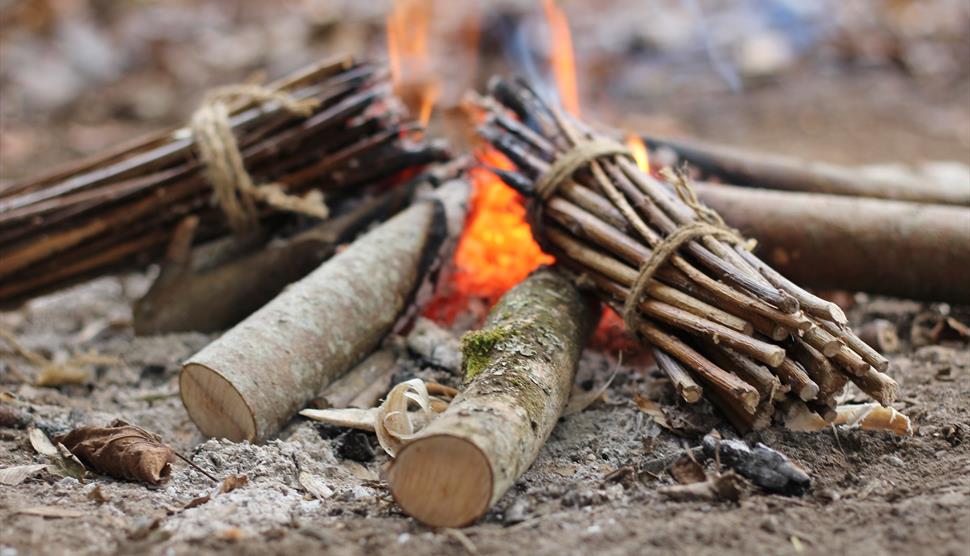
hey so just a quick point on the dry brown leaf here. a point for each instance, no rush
(233, 482)
(13, 476)
(686, 471)
(41, 444)
(651, 408)
(197, 502)
(122, 451)
(51, 511)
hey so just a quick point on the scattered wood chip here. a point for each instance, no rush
(50, 511)
(687, 471)
(13, 476)
(315, 485)
(651, 408)
(122, 451)
(195, 502)
(233, 482)
(726, 486)
(98, 495)
(41, 444)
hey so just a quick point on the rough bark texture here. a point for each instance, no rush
(252, 380)
(792, 174)
(910, 250)
(519, 370)
(213, 299)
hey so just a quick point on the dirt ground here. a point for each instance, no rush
(872, 493)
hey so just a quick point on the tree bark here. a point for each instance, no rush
(216, 298)
(519, 369)
(909, 250)
(247, 384)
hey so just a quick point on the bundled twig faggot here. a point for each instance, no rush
(687, 284)
(249, 154)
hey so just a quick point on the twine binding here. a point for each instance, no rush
(708, 223)
(235, 192)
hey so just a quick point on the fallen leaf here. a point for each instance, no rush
(12, 476)
(51, 511)
(67, 464)
(314, 485)
(686, 470)
(651, 408)
(122, 451)
(233, 482)
(41, 444)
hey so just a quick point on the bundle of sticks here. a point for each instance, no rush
(723, 324)
(332, 127)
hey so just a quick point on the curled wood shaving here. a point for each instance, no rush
(394, 421)
(867, 416)
(122, 451)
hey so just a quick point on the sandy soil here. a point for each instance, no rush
(872, 492)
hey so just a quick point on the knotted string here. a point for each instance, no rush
(708, 223)
(219, 151)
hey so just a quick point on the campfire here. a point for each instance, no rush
(322, 224)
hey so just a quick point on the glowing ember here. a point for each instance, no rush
(407, 50)
(639, 150)
(563, 62)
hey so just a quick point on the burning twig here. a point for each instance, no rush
(635, 240)
(519, 371)
(227, 388)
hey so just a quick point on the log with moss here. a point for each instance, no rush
(519, 369)
(248, 384)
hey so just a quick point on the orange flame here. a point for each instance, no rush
(407, 50)
(639, 150)
(563, 61)
(496, 250)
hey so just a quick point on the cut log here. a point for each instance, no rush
(252, 380)
(215, 298)
(827, 241)
(749, 168)
(519, 370)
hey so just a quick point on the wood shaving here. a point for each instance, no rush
(315, 485)
(393, 421)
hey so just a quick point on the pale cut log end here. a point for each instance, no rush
(215, 405)
(808, 392)
(442, 481)
(775, 357)
(691, 393)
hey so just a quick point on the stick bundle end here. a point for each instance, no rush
(442, 481)
(214, 404)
